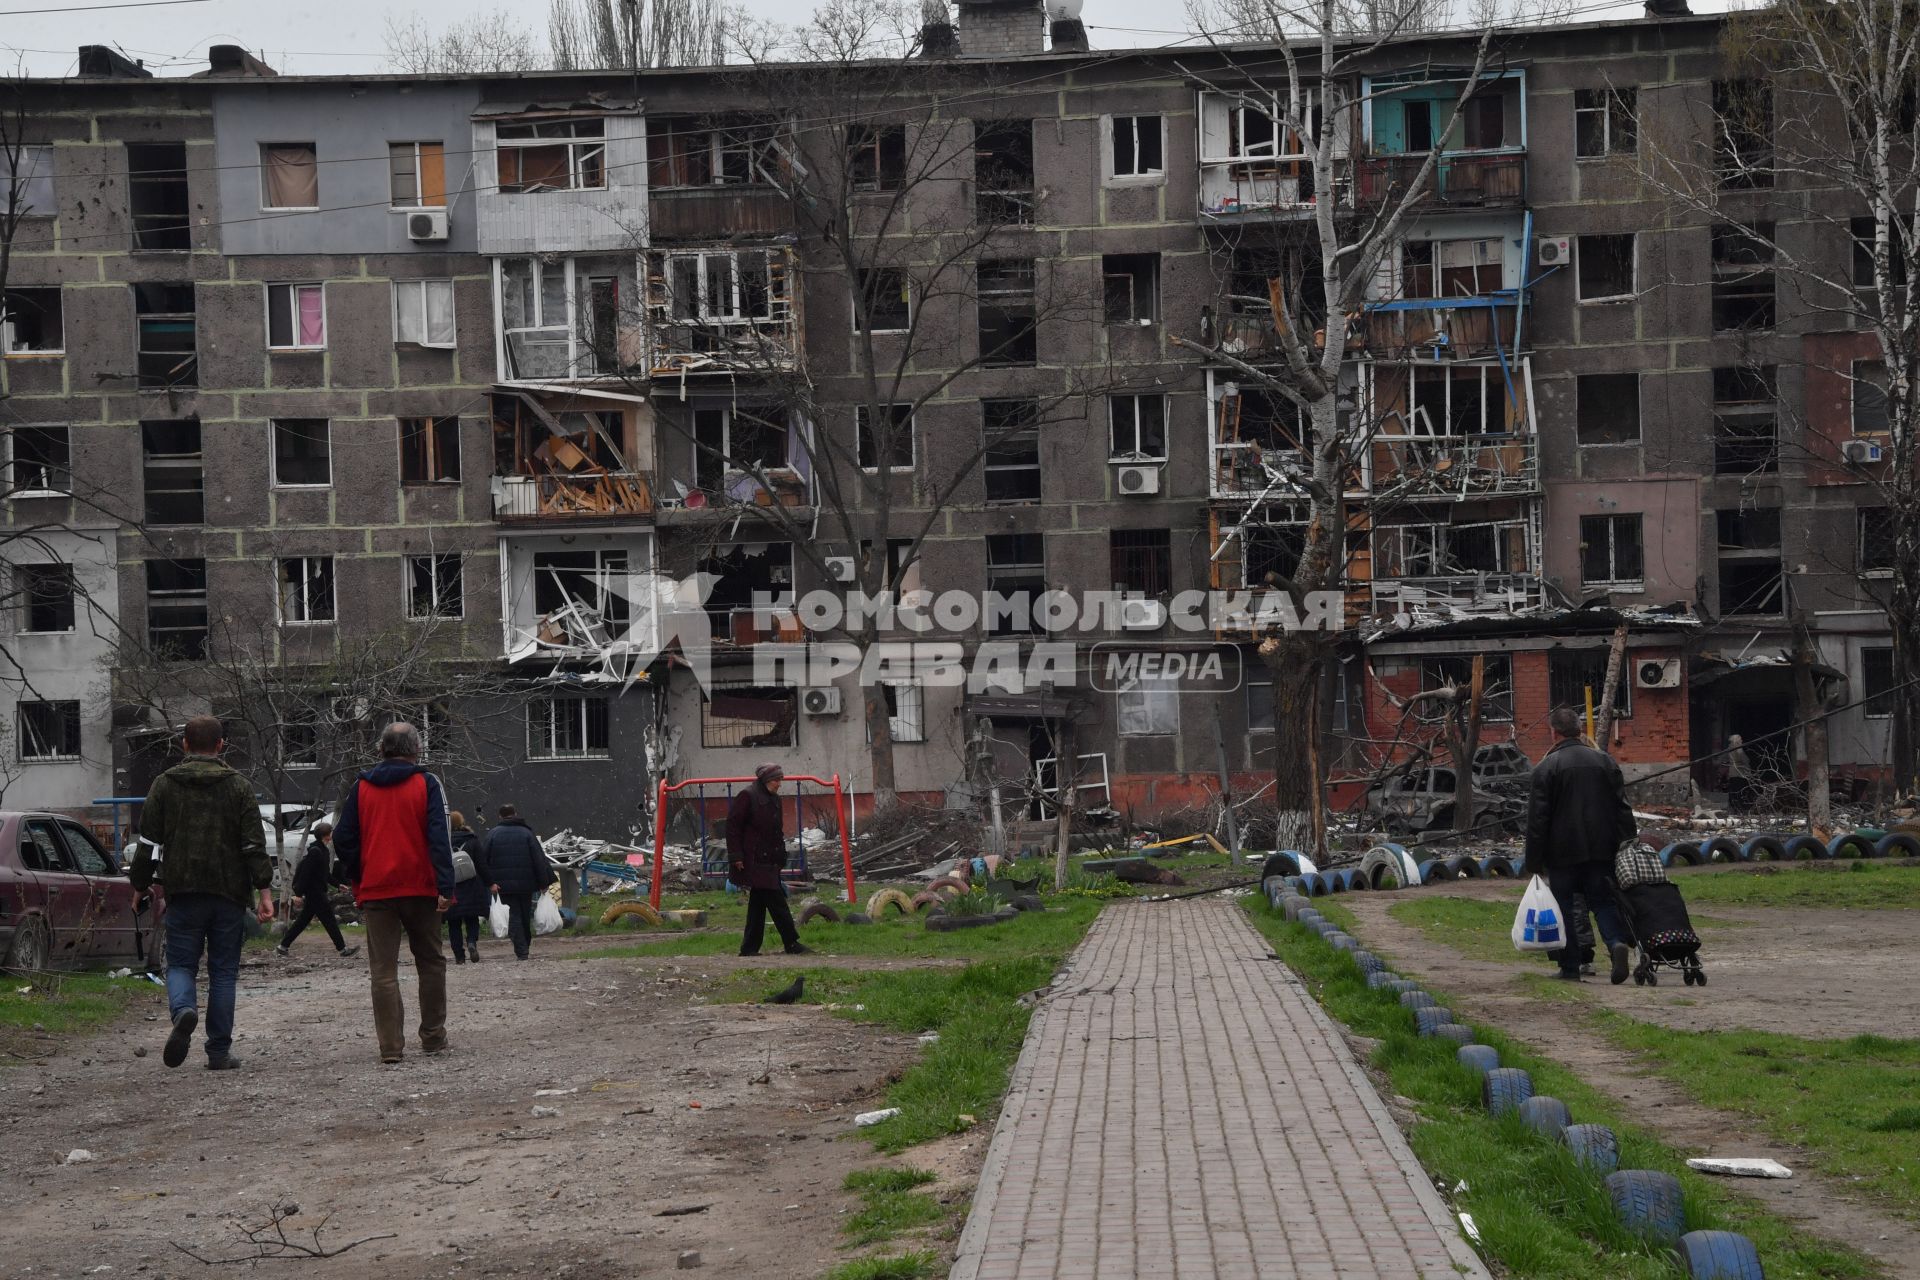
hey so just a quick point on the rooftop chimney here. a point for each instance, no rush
(1067, 35)
(98, 60)
(1002, 28)
(939, 40)
(1668, 9)
(232, 60)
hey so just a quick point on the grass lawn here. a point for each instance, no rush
(890, 1205)
(906, 1266)
(1861, 886)
(1538, 1212)
(66, 1004)
(1482, 930)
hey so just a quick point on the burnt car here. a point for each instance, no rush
(64, 902)
(1422, 799)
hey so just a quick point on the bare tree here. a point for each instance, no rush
(621, 35)
(493, 41)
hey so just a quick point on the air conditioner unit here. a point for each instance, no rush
(1860, 451)
(427, 224)
(1142, 615)
(821, 701)
(1137, 481)
(840, 568)
(1555, 250)
(1657, 673)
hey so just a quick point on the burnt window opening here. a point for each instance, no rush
(738, 715)
(177, 609)
(1448, 550)
(1745, 440)
(42, 461)
(1450, 268)
(1141, 560)
(32, 322)
(429, 451)
(49, 730)
(582, 592)
(1607, 408)
(1752, 579)
(893, 441)
(47, 596)
(876, 157)
(884, 297)
(306, 589)
(1743, 134)
(748, 576)
(302, 453)
(706, 153)
(434, 589)
(1864, 232)
(1138, 150)
(1008, 328)
(1016, 579)
(1003, 172)
(1012, 459)
(173, 471)
(1257, 272)
(1877, 540)
(1604, 122)
(1876, 683)
(165, 346)
(1571, 672)
(1270, 553)
(157, 196)
(1743, 292)
(1871, 409)
(1437, 671)
(734, 446)
(1611, 553)
(1131, 287)
(1604, 267)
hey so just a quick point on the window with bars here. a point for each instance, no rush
(1012, 460)
(306, 589)
(1141, 560)
(1571, 672)
(567, 729)
(177, 608)
(1744, 420)
(302, 453)
(1610, 550)
(429, 451)
(48, 731)
(173, 471)
(434, 589)
(47, 593)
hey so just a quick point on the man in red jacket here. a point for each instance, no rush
(393, 846)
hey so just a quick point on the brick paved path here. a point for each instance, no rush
(1183, 1108)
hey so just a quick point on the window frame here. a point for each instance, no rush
(906, 295)
(1608, 98)
(1159, 703)
(163, 230)
(438, 563)
(47, 469)
(1639, 426)
(1633, 268)
(308, 580)
(1862, 517)
(904, 725)
(1614, 581)
(291, 290)
(273, 453)
(25, 584)
(1137, 455)
(860, 440)
(185, 366)
(400, 338)
(1112, 132)
(579, 147)
(1855, 381)
(7, 347)
(68, 711)
(1016, 429)
(702, 290)
(156, 465)
(265, 147)
(1139, 273)
(876, 141)
(35, 185)
(419, 186)
(429, 431)
(180, 598)
(548, 752)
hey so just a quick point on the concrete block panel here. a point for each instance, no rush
(37, 376)
(359, 333)
(90, 183)
(302, 508)
(99, 336)
(424, 366)
(238, 476)
(473, 327)
(297, 369)
(366, 470)
(232, 324)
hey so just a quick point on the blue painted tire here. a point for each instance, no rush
(1400, 986)
(1380, 978)
(1861, 846)
(1433, 871)
(1593, 1145)
(1723, 849)
(1367, 961)
(1455, 1032)
(1548, 1117)
(1283, 862)
(1297, 883)
(1897, 844)
(1764, 848)
(1464, 868)
(1355, 879)
(1684, 852)
(1317, 886)
(1478, 1058)
(1648, 1202)
(1503, 1089)
(1426, 1021)
(1335, 882)
(1342, 942)
(1806, 847)
(1389, 862)
(1498, 866)
(1292, 907)
(1719, 1255)
(1417, 999)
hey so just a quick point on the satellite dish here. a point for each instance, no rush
(1064, 10)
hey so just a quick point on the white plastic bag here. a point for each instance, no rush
(546, 915)
(497, 917)
(1538, 925)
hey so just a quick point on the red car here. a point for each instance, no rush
(64, 902)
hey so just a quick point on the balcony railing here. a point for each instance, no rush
(1460, 591)
(1413, 468)
(1465, 328)
(599, 495)
(717, 213)
(1461, 179)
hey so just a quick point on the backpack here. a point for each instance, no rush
(463, 868)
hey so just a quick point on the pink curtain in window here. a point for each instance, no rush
(313, 328)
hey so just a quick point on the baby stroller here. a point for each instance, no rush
(1655, 917)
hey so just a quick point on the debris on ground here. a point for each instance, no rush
(868, 1118)
(80, 1155)
(1741, 1167)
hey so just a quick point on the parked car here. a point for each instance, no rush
(64, 901)
(1422, 799)
(1502, 767)
(295, 821)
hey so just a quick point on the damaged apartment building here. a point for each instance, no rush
(331, 357)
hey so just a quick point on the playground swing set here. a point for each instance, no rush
(713, 852)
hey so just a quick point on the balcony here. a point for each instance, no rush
(1478, 592)
(591, 496)
(717, 213)
(1462, 328)
(1408, 468)
(1460, 180)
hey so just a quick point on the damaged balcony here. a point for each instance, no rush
(571, 464)
(726, 455)
(577, 599)
(720, 311)
(1252, 161)
(569, 320)
(1480, 140)
(1468, 567)
(1452, 431)
(1261, 442)
(713, 178)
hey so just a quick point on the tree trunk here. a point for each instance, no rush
(1066, 777)
(880, 753)
(1616, 655)
(1296, 759)
(1464, 748)
(1808, 709)
(1903, 619)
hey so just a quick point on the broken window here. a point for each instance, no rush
(1012, 461)
(299, 744)
(1450, 268)
(1864, 232)
(49, 731)
(1610, 550)
(1270, 553)
(697, 153)
(1137, 427)
(1572, 672)
(884, 297)
(1418, 116)
(434, 586)
(289, 176)
(30, 178)
(1744, 401)
(1743, 133)
(1604, 123)
(306, 589)
(417, 173)
(429, 450)
(552, 155)
(296, 317)
(906, 711)
(1141, 560)
(1257, 271)
(1437, 671)
(1742, 278)
(1131, 284)
(1265, 419)
(1751, 580)
(1259, 706)
(423, 312)
(1878, 536)
(730, 444)
(1137, 147)
(894, 440)
(567, 729)
(1484, 120)
(1003, 172)
(1449, 550)
(748, 716)
(1604, 266)
(172, 471)
(1007, 323)
(1148, 707)
(719, 288)
(42, 461)
(157, 195)
(302, 453)
(32, 322)
(164, 348)
(1607, 408)
(1016, 579)
(1869, 414)
(177, 608)
(1456, 400)
(46, 597)
(749, 576)
(876, 157)
(582, 596)
(1876, 683)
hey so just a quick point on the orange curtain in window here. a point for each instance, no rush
(433, 175)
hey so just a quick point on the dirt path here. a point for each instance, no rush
(445, 1154)
(1756, 973)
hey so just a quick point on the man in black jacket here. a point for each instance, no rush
(517, 869)
(756, 853)
(310, 882)
(1577, 819)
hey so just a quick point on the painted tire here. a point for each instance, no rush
(1648, 1202)
(1282, 862)
(1292, 907)
(1806, 847)
(1455, 1032)
(1379, 978)
(1342, 942)
(816, 911)
(1481, 1059)
(1764, 849)
(1548, 1117)
(1399, 986)
(641, 911)
(1861, 846)
(1417, 999)
(1367, 961)
(948, 882)
(1723, 849)
(1428, 1021)
(921, 901)
(1388, 866)
(884, 898)
(1316, 886)
(1356, 879)
(1497, 866)
(858, 917)
(1684, 853)
(1309, 916)
(1503, 1089)
(1465, 868)
(1433, 871)
(1593, 1145)
(1297, 883)
(1719, 1255)
(1897, 844)
(1335, 882)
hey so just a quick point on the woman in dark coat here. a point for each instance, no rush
(756, 852)
(470, 898)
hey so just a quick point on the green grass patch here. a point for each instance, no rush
(1847, 1103)
(890, 1205)
(1483, 930)
(1863, 886)
(1539, 1214)
(65, 1004)
(905, 1266)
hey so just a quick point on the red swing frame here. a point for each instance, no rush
(660, 824)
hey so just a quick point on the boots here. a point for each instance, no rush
(459, 956)
(473, 952)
